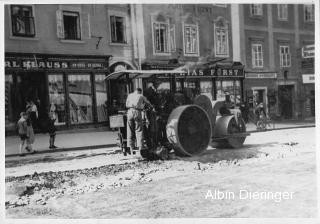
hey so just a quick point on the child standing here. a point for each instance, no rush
(22, 130)
(52, 130)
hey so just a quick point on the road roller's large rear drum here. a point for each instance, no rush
(189, 130)
(205, 103)
(228, 132)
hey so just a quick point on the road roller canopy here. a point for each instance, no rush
(133, 74)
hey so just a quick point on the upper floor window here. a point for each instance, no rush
(191, 39)
(285, 57)
(161, 37)
(22, 21)
(221, 42)
(283, 12)
(309, 13)
(256, 9)
(257, 55)
(71, 24)
(118, 31)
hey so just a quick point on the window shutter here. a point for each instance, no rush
(60, 27)
(86, 28)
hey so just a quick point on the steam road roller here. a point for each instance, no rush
(187, 124)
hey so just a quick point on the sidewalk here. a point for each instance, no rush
(92, 139)
(65, 141)
(251, 127)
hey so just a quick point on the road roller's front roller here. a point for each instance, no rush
(229, 132)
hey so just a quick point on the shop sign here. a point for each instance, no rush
(308, 78)
(269, 75)
(210, 72)
(46, 64)
(308, 51)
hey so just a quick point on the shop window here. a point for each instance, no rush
(161, 34)
(190, 39)
(22, 21)
(231, 87)
(221, 42)
(283, 12)
(10, 118)
(257, 55)
(309, 13)
(71, 24)
(57, 98)
(256, 9)
(206, 88)
(80, 98)
(191, 89)
(101, 97)
(118, 32)
(285, 57)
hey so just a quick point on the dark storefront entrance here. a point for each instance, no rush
(286, 100)
(22, 88)
(73, 87)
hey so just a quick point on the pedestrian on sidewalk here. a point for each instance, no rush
(22, 130)
(32, 111)
(30, 134)
(52, 130)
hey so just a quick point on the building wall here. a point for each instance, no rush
(272, 32)
(94, 24)
(204, 15)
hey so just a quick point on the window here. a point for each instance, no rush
(57, 98)
(22, 21)
(161, 33)
(190, 40)
(256, 9)
(71, 24)
(257, 55)
(118, 32)
(285, 57)
(101, 97)
(309, 13)
(283, 12)
(231, 87)
(80, 98)
(221, 42)
(206, 89)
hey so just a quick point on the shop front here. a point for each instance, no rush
(308, 81)
(261, 87)
(71, 86)
(214, 80)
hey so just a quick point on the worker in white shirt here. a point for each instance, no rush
(135, 104)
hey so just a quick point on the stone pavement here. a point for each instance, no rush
(99, 138)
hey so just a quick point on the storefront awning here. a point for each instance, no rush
(133, 74)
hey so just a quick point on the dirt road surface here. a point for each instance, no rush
(277, 169)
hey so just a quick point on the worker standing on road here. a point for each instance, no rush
(135, 104)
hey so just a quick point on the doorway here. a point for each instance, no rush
(260, 96)
(286, 101)
(32, 86)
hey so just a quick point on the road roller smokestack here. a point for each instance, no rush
(189, 130)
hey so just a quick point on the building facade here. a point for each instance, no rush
(188, 36)
(58, 55)
(272, 41)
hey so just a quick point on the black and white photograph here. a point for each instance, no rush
(152, 111)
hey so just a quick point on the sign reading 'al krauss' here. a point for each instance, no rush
(41, 64)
